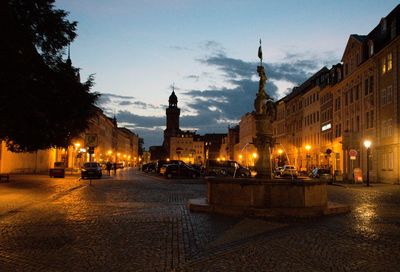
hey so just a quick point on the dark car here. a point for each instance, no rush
(226, 168)
(58, 171)
(149, 167)
(91, 170)
(160, 164)
(180, 170)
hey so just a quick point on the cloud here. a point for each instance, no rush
(213, 46)
(214, 108)
(179, 48)
(125, 103)
(110, 95)
(195, 77)
(141, 121)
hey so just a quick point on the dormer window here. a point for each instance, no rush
(393, 29)
(383, 25)
(370, 48)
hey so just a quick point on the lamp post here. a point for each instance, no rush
(308, 148)
(280, 152)
(367, 144)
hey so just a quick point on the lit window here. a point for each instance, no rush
(390, 160)
(389, 94)
(389, 61)
(384, 65)
(371, 48)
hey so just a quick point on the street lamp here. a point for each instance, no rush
(367, 144)
(280, 152)
(308, 148)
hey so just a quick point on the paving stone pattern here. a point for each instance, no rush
(138, 222)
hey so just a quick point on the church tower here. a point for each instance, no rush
(173, 113)
(172, 129)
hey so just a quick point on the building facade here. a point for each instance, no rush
(325, 121)
(112, 144)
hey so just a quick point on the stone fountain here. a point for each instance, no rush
(264, 196)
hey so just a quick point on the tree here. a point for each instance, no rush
(43, 104)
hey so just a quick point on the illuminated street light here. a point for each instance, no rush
(240, 156)
(308, 148)
(367, 144)
(255, 155)
(280, 151)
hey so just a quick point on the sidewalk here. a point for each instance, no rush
(28, 189)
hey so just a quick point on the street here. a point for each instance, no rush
(138, 222)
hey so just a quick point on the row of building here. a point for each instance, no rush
(109, 142)
(325, 121)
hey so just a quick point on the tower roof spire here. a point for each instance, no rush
(173, 99)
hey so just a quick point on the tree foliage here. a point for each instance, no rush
(42, 101)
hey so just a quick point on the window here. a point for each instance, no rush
(389, 128)
(352, 124)
(371, 48)
(383, 129)
(351, 96)
(389, 62)
(357, 91)
(372, 119)
(371, 84)
(389, 94)
(384, 161)
(383, 97)
(390, 160)
(338, 129)
(366, 85)
(383, 63)
(358, 123)
(393, 28)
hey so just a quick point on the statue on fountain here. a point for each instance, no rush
(265, 114)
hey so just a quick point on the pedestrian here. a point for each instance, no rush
(108, 167)
(115, 168)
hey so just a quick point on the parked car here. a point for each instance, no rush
(180, 170)
(91, 170)
(160, 164)
(58, 171)
(226, 168)
(149, 167)
(289, 170)
(278, 171)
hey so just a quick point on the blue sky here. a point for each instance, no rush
(138, 49)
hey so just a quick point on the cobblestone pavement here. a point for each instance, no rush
(138, 222)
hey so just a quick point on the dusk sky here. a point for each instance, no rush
(138, 49)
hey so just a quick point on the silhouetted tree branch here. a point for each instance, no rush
(42, 101)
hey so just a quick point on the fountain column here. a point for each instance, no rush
(265, 111)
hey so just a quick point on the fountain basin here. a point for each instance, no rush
(247, 196)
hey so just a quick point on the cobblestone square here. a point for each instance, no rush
(138, 222)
